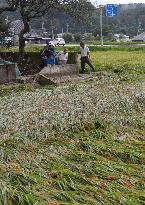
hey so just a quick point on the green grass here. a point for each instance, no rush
(115, 43)
(8, 90)
(128, 65)
(79, 167)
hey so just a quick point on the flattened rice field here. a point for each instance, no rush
(80, 143)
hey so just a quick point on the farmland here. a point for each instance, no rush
(80, 143)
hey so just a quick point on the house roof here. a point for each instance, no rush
(123, 35)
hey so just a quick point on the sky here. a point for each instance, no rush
(102, 2)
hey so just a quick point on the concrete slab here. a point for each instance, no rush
(7, 72)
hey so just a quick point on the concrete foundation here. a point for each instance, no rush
(7, 72)
(57, 74)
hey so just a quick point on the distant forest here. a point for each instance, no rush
(130, 21)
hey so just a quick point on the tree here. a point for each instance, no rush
(77, 37)
(30, 9)
(68, 37)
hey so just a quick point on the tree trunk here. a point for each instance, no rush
(21, 37)
(21, 45)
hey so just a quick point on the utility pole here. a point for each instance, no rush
(42, 25)
(139, 30)
(7, 20)
(67, 25)
(62, 32)
(30, 28)
(52, 33)
(52, 28)
(101, 24)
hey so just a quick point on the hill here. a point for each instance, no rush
(130, 18)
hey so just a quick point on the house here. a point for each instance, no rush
(121, 38)
(36, 39)
(140, 37)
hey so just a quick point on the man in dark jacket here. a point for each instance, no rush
(48, 55)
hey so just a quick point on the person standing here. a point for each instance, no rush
(85, 57)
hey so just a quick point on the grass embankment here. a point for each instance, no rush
(76, 144)
(127, 62)
(75, 47)
(116, 43)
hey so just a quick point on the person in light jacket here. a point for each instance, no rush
(85, 57)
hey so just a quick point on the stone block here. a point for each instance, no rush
(7, 72)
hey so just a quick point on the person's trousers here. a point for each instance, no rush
(85, 60)
(62, 62)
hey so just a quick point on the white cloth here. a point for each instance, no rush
(84, 51)
(62, 56)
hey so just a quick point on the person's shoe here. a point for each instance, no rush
(92, 71)
(83, 72)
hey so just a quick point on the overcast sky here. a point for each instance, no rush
(101, 2)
